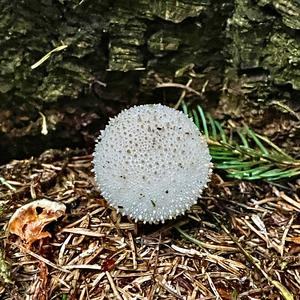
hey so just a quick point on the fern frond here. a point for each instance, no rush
(244, 154)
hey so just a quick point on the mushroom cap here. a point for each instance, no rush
(151, 163)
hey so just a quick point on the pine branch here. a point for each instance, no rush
(243, 154)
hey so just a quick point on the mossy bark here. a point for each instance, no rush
(262, 77)
(264, 52)
(245, 53)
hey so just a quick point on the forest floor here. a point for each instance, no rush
(241, 241)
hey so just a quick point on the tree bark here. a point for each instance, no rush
(262, 77)
(245, 53)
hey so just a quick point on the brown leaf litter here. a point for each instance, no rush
(242, 240)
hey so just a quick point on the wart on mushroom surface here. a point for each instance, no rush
(152, 161)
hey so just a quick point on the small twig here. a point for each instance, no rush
(4, 182)
(41, 258)
(178, 85)
(183, 93)
(290, 200)
(163, 283)
(133, 250)
(286, 230)
(213, 287)
(83, 231)
(205, 245)
(90, 267)
(113, 286)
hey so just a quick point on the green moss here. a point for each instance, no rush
(4, 269)
(282, 60)
(290, 12)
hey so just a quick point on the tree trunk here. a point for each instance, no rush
(115, 53)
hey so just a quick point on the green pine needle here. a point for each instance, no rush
(244, 154)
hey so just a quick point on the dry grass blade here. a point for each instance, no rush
(48, 55)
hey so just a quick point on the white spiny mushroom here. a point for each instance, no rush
(151, 163)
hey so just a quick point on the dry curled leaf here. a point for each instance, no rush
(28, 221)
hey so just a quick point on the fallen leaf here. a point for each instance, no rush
(28, 221)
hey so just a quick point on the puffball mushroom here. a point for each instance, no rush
(151, 163)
